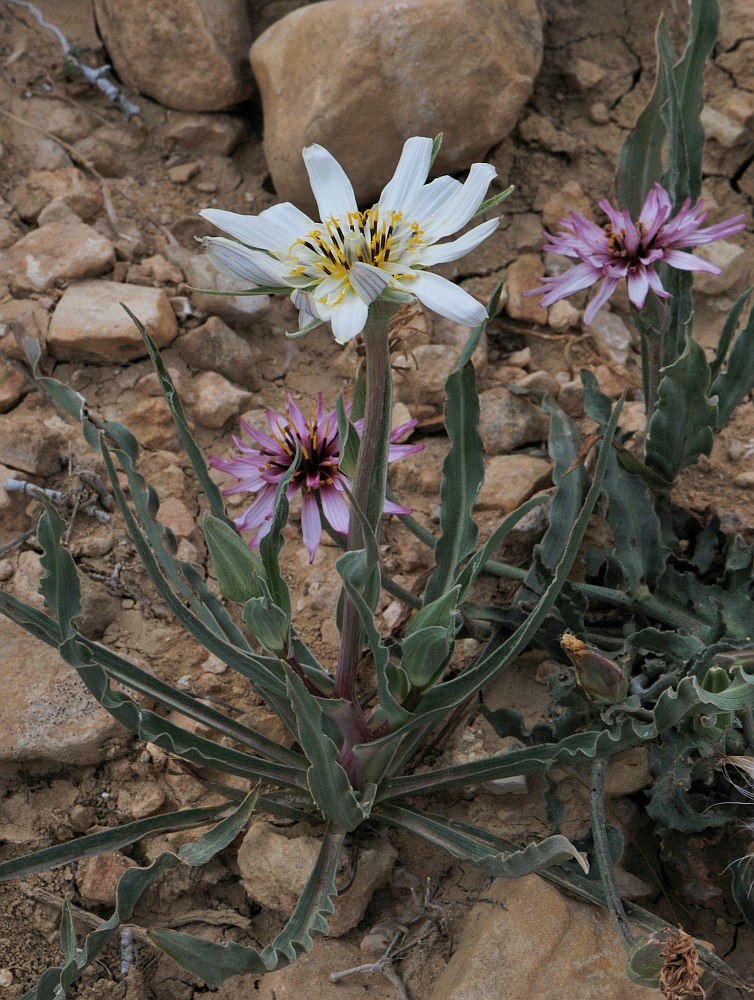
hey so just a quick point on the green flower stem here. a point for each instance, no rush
(369, 495)
(651, 363)
(602, 854)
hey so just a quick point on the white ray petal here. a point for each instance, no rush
(441, 253)
(368, 281)
(349, 318)
(276, 228)
(330, 184)
(429, 202)
(460, 207)
(249, 265)
(410, 174)
(447, 299)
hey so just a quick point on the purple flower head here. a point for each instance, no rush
(627, 249)
(261, 465)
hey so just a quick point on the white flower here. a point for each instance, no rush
(337, 267)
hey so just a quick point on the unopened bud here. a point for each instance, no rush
(599, 677)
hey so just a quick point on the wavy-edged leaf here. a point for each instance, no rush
(728, 331)
(462, 478)
(217, 962)
(113, 839)
(737, 380)
(54, 983)
(459, 844)
(192, 449)
(328, 783)
(682, 427)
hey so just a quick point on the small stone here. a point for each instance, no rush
(176, 516)
(562, 316)
(106, 160)
(6, 570)
(183, 172)
(571, 398)
(13, 385)
(58, 211)
(57, 252)
(89, 323)
(542, 381)
(26, 444)
(434, 363)
(583, 74)
(740, 106)
(628, 772)
(612, 335)
(26, 317)
(162, 271)
(218, 400)
(205, 133)
(745, 480)
(721, 128)
(141, 798)
(97, 878)
(539, 131)
(215, 347)
(201, 273)
(510, 480)
(599, 113)
(523, 275)
(508, 421)
(80, 192)
(525, 233)
(570, 198)
(732, 261)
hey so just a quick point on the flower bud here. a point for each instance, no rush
(599, 676)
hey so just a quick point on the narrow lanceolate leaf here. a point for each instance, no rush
(60, 585)
(459, 844)
(54, 983)
(462, 478)
(728, 332)
(106, 840)
(682, 427)
(194, 452)
(327, 781)
(214, 963)
(737, 380)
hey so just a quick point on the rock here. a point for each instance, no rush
(50, 719)
(445, 331)
(187, 54)
(509, 480)
(562, 316)
(583, 75)
(571, 398)
(106, 159)
(218, 400)
(730, 258)
(97, 878)
(462, 67)
(99, 607)
(550, 947)
(13, 385)
(201, 273)
(420, 472)
(434, 363)
(215, 347)
(523, 275)
(539, 131)
(89, 323)
(57, 252)
(279, 881)
(309, 976)
(508, 421)
(13, 516)
(183, 172)
(599, 113)
(723, 129)
(80, 192)
(628, 772)
(205, 133)
(175, 514)
(150, 420)
(58, 211)
(570, 198)
(612, 335)
(27, 445)
(541, 381)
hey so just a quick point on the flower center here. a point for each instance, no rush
(342, 242)
(617, 247)
(319, 454)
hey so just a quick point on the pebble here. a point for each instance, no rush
(508, 421)
(570, 198)
(732, 260)
(745, 480)
(718, 126)
(217, 400)
(183, 172)
(523, 275)
(583, 74)
(510, 480)
(539, 131)
(27, 445)
(57, 252)
(13, 385)
(205, 133)
(434, 363)
(562, 316)
(214, 346)
(612, 335)
(599, 113)
(242, 310)
(410, 49)
(97, 878)
(6, 569)
(89, 323)
(175, 515)
(81, 193)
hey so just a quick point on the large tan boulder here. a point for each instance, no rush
(187, 54)
(361, 76)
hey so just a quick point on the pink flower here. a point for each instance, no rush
(260, 467)
(630, 250)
